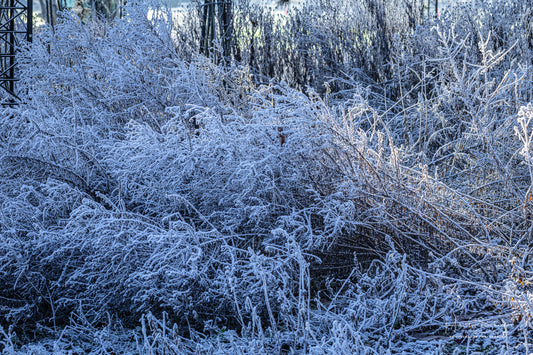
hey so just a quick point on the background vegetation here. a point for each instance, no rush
(353, 179)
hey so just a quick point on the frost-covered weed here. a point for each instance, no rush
(154, 202)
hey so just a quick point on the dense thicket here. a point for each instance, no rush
(350, 181)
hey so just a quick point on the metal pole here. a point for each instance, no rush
(11, 40)
(29, 21)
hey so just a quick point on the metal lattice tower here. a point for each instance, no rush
(16, 25)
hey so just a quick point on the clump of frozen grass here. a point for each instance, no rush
(154, 201)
